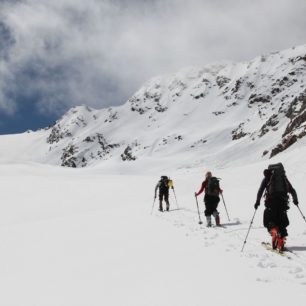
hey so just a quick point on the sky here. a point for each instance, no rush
(55, 54)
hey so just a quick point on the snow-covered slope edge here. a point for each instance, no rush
(222, 113)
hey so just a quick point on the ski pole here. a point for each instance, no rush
(245, 240)
(225, 207)
(200, 221)
(153, 205)
(301, 212)
(175, 198)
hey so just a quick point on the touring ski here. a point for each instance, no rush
(284, 253)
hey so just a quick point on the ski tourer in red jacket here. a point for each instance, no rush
(211, 198)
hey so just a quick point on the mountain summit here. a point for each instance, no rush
(221, 113)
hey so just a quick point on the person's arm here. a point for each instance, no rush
(202, 188)
(260, 192)
(156, 188)
(220, 190)
(293, 193)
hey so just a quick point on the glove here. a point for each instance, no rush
(195, 194)
(256, 204)
(296, 202)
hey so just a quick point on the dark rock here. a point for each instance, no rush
(285, 144)
(127, 154)
(57, 134)
(222, 81)
(271, 122)
(259, 98)
(239, 133)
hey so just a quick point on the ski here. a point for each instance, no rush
(268, 247)
(216, 226)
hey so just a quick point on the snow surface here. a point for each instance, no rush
(86, 237)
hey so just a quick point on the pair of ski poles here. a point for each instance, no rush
(252, 221)
(200, 221)
(174, 197)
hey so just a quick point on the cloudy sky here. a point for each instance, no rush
(58, 53)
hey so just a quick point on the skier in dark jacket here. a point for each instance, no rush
(276, 186)
(211, 198)
(163, 186)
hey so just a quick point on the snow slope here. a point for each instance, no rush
(80, 237)
(226, 112)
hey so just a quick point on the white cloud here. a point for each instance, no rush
(68, 52)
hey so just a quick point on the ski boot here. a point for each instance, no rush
(208, 220)
(217, 218)
(274, 235)
(281, 244)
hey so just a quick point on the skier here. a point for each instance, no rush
(211, 198)
(163, 186)
(276, 186)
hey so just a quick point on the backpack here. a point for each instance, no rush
(164, 183)
(213, 186)
(278, 184)
(170, 183)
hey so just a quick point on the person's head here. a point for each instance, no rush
(208, 175)
(164, 177)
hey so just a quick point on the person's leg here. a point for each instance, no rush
(208, 221)
(161, 201)
(209, 209)
(167, 201)
(270, 225)
(215, 202)
(217, 217)
(283, 223)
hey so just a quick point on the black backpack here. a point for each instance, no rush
(164, 183)
(213, 186)
(278, 183)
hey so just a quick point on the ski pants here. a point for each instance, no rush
(275, 215)
(211, 205)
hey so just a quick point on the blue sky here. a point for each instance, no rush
(56, 54)
(24, 120)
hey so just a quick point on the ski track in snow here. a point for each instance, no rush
(230, 239)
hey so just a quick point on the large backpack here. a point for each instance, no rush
(213, 186)
(278, 183)
(164, 184)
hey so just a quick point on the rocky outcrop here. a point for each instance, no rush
(127, 154)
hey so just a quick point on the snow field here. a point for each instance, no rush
(81, 237)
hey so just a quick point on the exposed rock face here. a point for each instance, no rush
(127, 155)
(57, 133)
(296, 128)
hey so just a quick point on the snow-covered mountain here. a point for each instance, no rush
(224, 112)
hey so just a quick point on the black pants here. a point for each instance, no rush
(211, 204)
(275, 215)
(163, 196)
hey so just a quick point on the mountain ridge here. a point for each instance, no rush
(221, 113)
